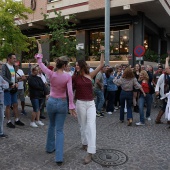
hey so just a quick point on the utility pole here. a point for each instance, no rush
(107, 31)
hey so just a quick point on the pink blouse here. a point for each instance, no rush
(59, 82)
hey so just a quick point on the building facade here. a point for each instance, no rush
(132, 23)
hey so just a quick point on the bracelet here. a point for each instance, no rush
(101, 51)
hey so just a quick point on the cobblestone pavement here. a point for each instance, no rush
(147, 147)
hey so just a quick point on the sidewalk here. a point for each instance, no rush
(147, 147)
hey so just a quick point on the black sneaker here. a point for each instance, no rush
(97, 114)
(42, 117)
(10, 125)
(3, 136)
(19, 123)
(59, 163)
(101, 115)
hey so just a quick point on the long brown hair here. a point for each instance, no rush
(128, 73)
(84, 68)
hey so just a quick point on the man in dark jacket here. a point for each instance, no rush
(10, 95)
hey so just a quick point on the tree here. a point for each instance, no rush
(60, 27)
(11, 38)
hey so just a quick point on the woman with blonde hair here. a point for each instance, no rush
(37, 92)
(127, 82)
(147, 98)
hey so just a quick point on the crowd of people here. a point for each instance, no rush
(101, 91)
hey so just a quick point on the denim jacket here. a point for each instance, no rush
(110, 85)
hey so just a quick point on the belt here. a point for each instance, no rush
(127, 91)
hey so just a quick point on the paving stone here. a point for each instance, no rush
(147, 147)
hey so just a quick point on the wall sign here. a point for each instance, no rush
(139, 51)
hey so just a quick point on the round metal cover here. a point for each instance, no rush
(109, 157)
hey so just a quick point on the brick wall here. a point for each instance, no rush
(96, 4)
(41, 6)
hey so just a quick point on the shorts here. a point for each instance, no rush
(10, 99)
(20, 94)
(36, 104)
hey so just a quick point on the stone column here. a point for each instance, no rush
(139, 32)
(81, 39)
(45, 47)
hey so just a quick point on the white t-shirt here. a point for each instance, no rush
(12, 71)
(42, 77)
(20, 83)
(70, 72)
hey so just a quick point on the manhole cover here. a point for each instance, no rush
(109, 157)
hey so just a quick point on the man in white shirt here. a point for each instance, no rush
(10, 95)
(21, 78)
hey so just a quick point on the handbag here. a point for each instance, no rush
(13, 90)
(152, 89)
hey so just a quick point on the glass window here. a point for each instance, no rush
(124, 41)
(119, 41)
(96, 39)
(114, 42)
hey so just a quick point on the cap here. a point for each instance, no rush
(64, 58)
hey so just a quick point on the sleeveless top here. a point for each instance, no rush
(83, 88)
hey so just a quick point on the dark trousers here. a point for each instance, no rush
(117, 97)
(105, 96)
(111, 100)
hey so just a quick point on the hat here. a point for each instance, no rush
(64, 58)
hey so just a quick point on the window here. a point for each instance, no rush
(119, 41)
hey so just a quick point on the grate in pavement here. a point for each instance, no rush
(109, 157)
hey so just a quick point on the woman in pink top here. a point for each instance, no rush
(85, 106)
(57, 104)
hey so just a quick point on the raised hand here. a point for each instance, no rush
(39, 47)
(102, 48)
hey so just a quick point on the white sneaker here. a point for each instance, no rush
(148, 118)
(32, 124)
(109, 113)
(39, 123)
(140, 124)
(116, 108)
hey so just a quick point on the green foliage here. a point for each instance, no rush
(60, 28)
(153, 57)
(11, 37)
(28, 57)
(150, 56)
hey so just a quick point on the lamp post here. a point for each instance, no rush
(107, 31)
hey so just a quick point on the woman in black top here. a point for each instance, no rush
(37, 92)
(136, 72)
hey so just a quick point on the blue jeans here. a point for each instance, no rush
(99, 99)
(57, 110)
(128, 97)
(111, 101)
(1, 118)
(36, 104)
(9, 98)
(141, 101)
